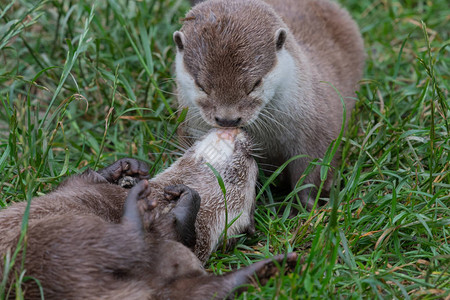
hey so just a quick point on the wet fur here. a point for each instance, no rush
(226, 46)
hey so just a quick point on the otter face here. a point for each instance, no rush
(229, 67)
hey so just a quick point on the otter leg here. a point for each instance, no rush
(130, 167)
(125, 167)
(131, 213)
(185, 211)
(219, 287)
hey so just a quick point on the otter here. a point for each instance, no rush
(91, 193)
(77, 254)
(271, 67)
(228, 151)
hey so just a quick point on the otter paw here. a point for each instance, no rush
(188, 200)
(268, 268)
(126, 172)
(146, 207)
(131, 210)
(185, 211)
(181, 193)
(140, 191)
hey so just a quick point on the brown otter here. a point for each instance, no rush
(77, 195)
(270, 66)
(228, 151)
(77, 255)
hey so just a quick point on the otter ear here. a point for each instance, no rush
(280, 38)
(178, 38)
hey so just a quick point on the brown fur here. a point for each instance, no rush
(228, 46)
(82, 256)
(238, 173)
(82, 244)
(86, 199)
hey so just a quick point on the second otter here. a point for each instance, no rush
(228, 151)
(77, 254)
(270, 66)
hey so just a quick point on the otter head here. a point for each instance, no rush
(231, 61)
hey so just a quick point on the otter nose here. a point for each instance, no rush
(227, 122)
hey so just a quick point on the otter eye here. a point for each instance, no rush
(200, 87)
(257, 83)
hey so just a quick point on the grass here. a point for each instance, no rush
(83, 83)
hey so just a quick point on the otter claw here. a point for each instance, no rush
(125, 167)
(179, 192)
(188, 202)
(173, 192)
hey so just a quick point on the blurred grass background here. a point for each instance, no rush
(83, 83)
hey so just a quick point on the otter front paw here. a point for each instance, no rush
(185, 211)
(126, 172)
